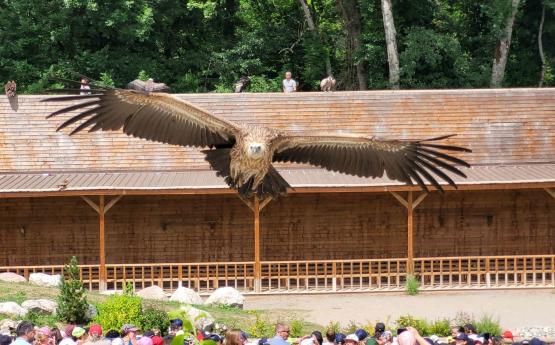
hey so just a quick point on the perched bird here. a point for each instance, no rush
(242, 84)
(10, 88)
(243, 153)
(147, 86)
(327, 84)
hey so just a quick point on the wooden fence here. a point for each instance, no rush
(439, 273)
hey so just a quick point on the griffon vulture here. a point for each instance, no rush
(10, 88)
(242, 84)
(243, 153)
(327, 84)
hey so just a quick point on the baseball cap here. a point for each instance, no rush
(95, 329)
(78, 332)
(462, 336)
(340, 338)
(157, 340)
(352, 337)
(361, 334)
(536, 341)
(380, 327)
(508, 334)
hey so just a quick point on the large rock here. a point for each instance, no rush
(186, 295)
(152, 292)
(91, 312)
(44, 306)
(203, 320)
(226, 296)
(11, 277)
(43, 279)
(12, 309)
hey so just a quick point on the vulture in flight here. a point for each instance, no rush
(243, 153)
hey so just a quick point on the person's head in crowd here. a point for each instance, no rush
(5, 339)
(351, 339)
(217, 339)
(157, 340)
(308, 341)
(340, 339)
(112, 334)
(385, 338)
(288, 75)
(469, 328)
(26, 331)
(68, 329)
(235, 337)
(42, 339)
(330, 336)
(263, 341)
(536, 341)
(129, 331)
(95, 332)
(455, 330)
(361, 334)
(84, 81)
(149, 334)
(168, 339)
(45, 330)
(479, 340)
(56, 334)
(498, 341)
(145, 341)
(317, 336)
(462, 339)
(379, 328)
(508, 336)
(282, 331)
(176, 326)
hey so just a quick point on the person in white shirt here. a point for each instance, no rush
(289, 85)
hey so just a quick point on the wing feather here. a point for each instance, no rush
(420, 162)
(152, 116)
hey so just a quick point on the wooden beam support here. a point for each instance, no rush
(400, 199)
(91, 204)
(418, 200)
(257, 266)
(247, 202)
(102, 255)
(410, 236)
(551, 192)
(265, 202)
(112, 203)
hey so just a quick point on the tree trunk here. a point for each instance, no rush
(503, 45)
(391, 42)
(540, 47)
(351, 15)
(314, 29)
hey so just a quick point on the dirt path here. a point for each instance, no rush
(513, 308)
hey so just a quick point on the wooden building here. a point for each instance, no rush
(132, 210)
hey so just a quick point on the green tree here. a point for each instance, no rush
(72, 300)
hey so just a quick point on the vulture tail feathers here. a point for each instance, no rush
(273, 185)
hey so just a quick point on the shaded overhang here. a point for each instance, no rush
(302, 180)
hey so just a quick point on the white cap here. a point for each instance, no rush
(353, 337)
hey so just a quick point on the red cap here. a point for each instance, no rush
(508, 335)
(95, 329)
(157, 340)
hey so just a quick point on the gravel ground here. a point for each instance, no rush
(531, 311)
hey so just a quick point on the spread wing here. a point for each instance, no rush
(405, 161)
(152, 116)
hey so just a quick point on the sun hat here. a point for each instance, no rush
(95, 329)
(145, 341)
(78, 332)
(46, 331)
(352, 337)
(128, 327)
(508, 334)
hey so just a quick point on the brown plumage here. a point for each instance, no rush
(243, 153)
(10, 88)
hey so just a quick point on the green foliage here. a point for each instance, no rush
(440, 327)
(143, 75)
(106, 80)
(42, 319)
(264, 84)
(261, 328)
(420, 325)
(412, 285)
(17, 297)
(155, 319)
(72, 300)
(351, 327)
(488, 324)
(334, 326)
(296, 327)
(118, 310)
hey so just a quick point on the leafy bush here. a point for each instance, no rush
(351, 327)
(155, 319)
(335, 326)
(412, 285)
(487, 324)
(72, 300)
(261, 328)
(106, 80)
(263, 84)
(118, 310)
(296, 327)
(421, 325)
(41, 319)
(440, 327)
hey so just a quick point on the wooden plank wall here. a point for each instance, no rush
(301, 226)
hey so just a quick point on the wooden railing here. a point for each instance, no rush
(439, 273)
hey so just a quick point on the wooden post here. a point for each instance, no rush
(102, 255)
(410, 247)
(257, 267)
